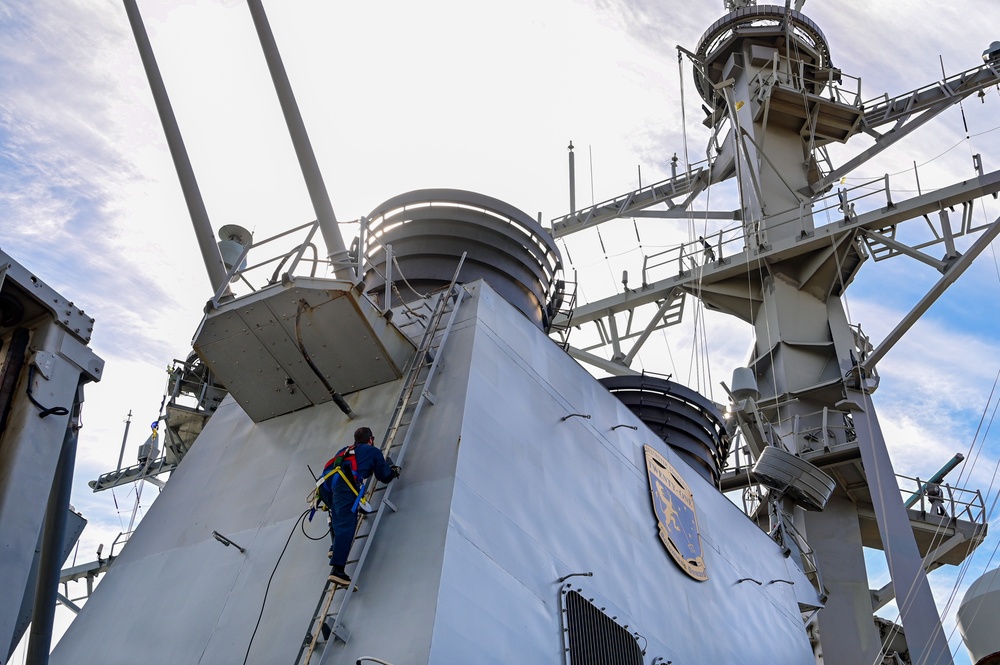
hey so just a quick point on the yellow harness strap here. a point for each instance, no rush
(342, 475)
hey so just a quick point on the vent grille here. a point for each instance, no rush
(594, 638)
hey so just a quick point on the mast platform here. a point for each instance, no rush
(950, 538)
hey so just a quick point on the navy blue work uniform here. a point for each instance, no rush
(341, 498)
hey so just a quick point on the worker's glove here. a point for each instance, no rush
(395, 471)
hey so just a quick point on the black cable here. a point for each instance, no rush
(338, 399)
(268, 588)
(43, 410)
(325, 533)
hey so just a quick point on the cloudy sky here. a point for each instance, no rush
(400, 95)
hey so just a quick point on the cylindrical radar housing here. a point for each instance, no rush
(428, 231)
(977, 619)
(686, 421)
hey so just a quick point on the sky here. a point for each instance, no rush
(399, 96)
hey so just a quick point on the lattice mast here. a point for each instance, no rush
(774, 101)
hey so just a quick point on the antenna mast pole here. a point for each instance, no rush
(337, 251)
(182, 163)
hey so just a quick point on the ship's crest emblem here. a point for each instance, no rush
(675, 513)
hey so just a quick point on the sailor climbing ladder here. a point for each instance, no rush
(412, 398)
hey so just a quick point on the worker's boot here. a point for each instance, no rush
(338, 575)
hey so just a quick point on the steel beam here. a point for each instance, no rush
(337, 251)
(924, 635)
(736, 264)
(953, 273)
(182, 163)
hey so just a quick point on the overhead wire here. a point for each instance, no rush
(974, 453)
(968, 469)
(967, 561)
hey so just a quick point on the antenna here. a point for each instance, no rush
(337, 251)
(182, 164)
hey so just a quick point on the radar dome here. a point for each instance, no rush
(977, 619)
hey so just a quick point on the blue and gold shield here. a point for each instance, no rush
(673, 504)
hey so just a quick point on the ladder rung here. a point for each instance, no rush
(411, 396)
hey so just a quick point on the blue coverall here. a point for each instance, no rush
(343, 521)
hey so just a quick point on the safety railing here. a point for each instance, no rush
(841, 207)
(942, 499)
(119, 542)
(285, 251)
(795, 74)
(680, 183)
(292, 252)
(883, 109)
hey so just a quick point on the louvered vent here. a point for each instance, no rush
(594, 638)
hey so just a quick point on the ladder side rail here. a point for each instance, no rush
(337, 626)
(459, 295)
(417, 362)
(414, 372)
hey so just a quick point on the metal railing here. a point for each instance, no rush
(794, 74)
(957, 503)
(841, 207)
(288, 253)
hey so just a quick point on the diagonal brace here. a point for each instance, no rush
(953, 273)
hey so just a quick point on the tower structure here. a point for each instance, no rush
(774, 102)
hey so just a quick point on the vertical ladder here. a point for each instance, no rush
(412, 398)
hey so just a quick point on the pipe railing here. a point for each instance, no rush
(957, 502)
(288, 253)
(795, 74)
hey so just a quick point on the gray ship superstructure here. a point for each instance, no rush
(544, 515)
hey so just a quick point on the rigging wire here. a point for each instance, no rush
(967, 561)
(271, 578)
(699, 350)
(929, 161)
(118, 510)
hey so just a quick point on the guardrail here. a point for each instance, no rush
(289, 252)
(956, 503)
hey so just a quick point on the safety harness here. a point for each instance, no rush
(348, 456)
(338, 462)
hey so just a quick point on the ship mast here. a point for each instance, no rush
(774, 102)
